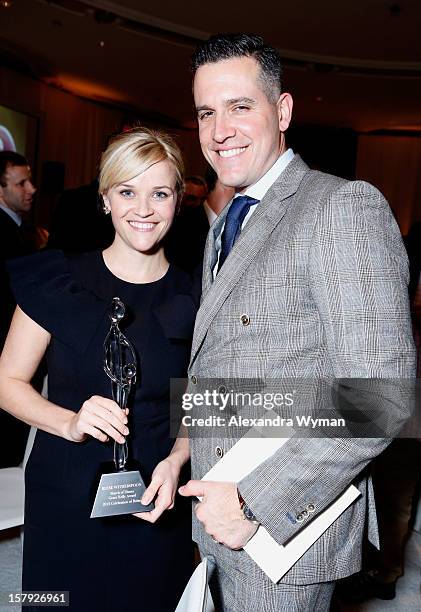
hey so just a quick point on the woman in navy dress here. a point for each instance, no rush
(120, 563)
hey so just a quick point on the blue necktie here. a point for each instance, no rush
(234, 219)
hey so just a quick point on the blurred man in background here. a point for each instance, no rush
(16, 198)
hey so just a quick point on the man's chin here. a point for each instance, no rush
(230, 179)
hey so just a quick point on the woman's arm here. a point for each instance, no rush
(180, 452)
(24, 348)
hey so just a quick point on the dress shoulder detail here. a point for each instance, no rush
(48, 292)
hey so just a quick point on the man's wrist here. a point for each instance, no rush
(246, 510)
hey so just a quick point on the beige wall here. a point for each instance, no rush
(72, 130)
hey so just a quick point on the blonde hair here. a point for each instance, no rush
(133, 152)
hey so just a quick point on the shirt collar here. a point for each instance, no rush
(12, 214)
(211, 214)
(259, 189)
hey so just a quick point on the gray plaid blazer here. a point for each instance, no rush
(321, 273)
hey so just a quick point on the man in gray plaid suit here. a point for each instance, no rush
(306, 277)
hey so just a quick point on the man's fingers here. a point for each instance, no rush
(193, 487)
(197, 509)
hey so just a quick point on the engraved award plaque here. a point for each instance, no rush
(121, 491)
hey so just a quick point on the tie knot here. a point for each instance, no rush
(233, 222)
(238, 212)
(239, 204)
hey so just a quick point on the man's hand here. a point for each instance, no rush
(220, 512)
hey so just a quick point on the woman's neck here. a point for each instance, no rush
(135, 267)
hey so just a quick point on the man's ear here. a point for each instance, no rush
(284, 106)
(1, 194)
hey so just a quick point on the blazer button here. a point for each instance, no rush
(222, 390)
(310, 507)
(194, 379)
(299, 518)
(219, 452)
(245, 319)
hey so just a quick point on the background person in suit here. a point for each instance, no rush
(218, 195)
(16, 197)
(186, 240)
(305, 275)
(195, 191)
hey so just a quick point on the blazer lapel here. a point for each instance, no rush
(266, 217)
(210, 256)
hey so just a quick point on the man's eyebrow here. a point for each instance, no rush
(229, 102)
(201, 108)
(242, 100)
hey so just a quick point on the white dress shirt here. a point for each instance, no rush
(258, 191)
(12, 214)
(211, 214)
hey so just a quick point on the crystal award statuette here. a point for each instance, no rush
(121, 491)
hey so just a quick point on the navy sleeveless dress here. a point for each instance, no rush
(114, 564)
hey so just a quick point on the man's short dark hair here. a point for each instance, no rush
(228, 46)
(7, 159)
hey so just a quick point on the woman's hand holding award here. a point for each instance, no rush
(121, 491)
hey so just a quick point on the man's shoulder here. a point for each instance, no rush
(338, 188)
(299, 178)
(9, 236)
(6, 219)
(318, 178)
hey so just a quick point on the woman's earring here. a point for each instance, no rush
(105, 208)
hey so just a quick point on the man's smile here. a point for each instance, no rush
(231, 152)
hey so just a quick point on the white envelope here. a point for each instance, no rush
(196, 596)
(274, 559)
